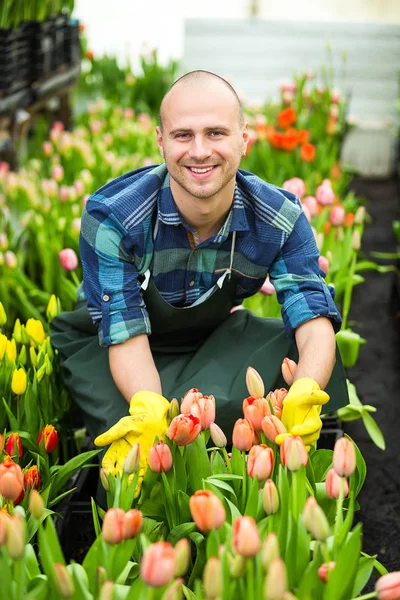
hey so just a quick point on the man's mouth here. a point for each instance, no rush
(202, 172)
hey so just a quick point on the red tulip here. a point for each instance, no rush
(184, 429)
(13, 445)
(325, 569)
(50, 437)
(32, 478)
(246, 537)
(243, 435)
(158, 564)
(254, 410)
(207, 510)
(293, 453)
(344, 457)
(260, 462)
(333, 482)
(160, 458)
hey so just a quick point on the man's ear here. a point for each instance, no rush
(160, 141)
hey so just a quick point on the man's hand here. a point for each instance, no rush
(302, 409)
(148, 419)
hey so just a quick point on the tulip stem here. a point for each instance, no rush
(227, 459)
(250, 579)
(339, 506)
(366, 596)
(294, 495)
(244, 486)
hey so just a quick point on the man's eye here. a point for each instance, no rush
(182, 135)
(216, 133)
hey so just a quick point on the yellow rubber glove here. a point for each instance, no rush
(301, 411)
(148, 419)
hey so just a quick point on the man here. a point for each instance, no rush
(168, 251)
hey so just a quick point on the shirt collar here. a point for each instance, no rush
(169, 215)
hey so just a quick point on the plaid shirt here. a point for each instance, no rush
(273, 237)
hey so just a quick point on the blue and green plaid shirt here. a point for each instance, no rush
(273, 237)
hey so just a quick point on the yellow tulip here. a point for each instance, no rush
(3, 345)
(11, 350)
(3, 315)
(18, 382)
(33, 356)
(36, 331)
(52, 309)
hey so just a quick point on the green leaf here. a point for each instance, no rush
(33, 524)
(70, 467)
(212, 544)
(198, 464)
(189, 595)
(365, 566)
(61, 496)
(81, 582)
(183, 507)
(218, 466)
(220, 484)
(374, 432)
(341, 579)
(180, 471)
(92, 560)
(311, 586)
(14, 425)
(31, 562)
(131, 569)
(321, 463)
(96, 521)
(150, 508)
(361, 470)
(252, 499)
(181, 531)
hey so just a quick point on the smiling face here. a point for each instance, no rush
(202, 140)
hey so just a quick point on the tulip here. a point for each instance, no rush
(182, 553)
(32, 478)
(325, 569)
(245, 536)
(68, 259)
(360, 215)
(174, 591)
(254, 410)
(293, 453)
(270, 550)
(188, 399)
(333, 483)
(270, 497)
(254, 383)
(132, 523)
(160, 458)
(3, 315)
(3, 527)
(325, 194)
(11, 351)
(22, 356)
(57, 173)
(11, 479)
(35, 330)
(268, 288)
(184, 429)
(388, 586)
(104, 479)
(50, 437)
(276, 581)
(158, 564)
(344, 457)
(13, 445)
(272, 426)
(3, 345)
(315, 519)
(296, 186)
(260, 462)
(36, 504)
(337, 216)
(15, 542)
(207, 510)
(217, 435)
(18, 381)
(173, 410)
(311, 204)
(323, 264)
(10, 260)
(63, 581)
(204, 410)
(236, 564)
(288, 370)
(107, 591)
(356, 240)
(3, 246)
(113, 529)
(213, 582)
(243, 435)
(132, 460)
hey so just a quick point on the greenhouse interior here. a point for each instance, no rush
(185, 414)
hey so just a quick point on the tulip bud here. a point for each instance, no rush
(243, 435)
(184, 429)
(270, 497)
(213, 578)
(63, 581)
(3, 315)
(10, 260)
(11, 351)
(174, 591)
(360, 215)
(22, 356)
(160, 458)
(107, 591)
(237, 565)
(288, 370)
(173, 410)
(276, 399)
(104, 480)
(356, 240)
(325, 569)
(207, 510)
(50, 437)
(18, 382)
(3, 345)
(33, 356)
(272, 426)
(13, 445)
(276, 581)
(293, 453)
(217, 435)
(315, 519)
(182, 552)
(388, 586)
(344, 457)
(333, 483)
(132, 523)
(11, 479)
(158, 564)
(36, 504)
(270, 550)
(132, 460)
(35, 330)
(68, 259)
(254, 383)
(15, 542)
(40, 373)
(254, 410)
(245, 536)
(3, 527)
(17, 331)
(260, 462)
(113, 528)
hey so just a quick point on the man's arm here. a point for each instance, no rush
(317, 350)
(132, 367)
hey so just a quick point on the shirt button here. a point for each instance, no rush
(106, 298)
(191, 283)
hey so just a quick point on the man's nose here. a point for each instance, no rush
(200, 148)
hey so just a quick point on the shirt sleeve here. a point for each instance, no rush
(299, 281)
(110, 278)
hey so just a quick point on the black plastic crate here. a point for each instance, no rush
(15, 50)
(72, 48)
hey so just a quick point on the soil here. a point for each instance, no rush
(375, 314)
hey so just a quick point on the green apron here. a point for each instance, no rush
(203, 346)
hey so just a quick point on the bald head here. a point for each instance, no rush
(204, 79)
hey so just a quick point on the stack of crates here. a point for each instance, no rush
(15, 59)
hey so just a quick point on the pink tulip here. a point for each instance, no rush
(288, 370)
(10, 260)
(272, 426)
(113, 528)
(287, 97)
(323, 263)
(68, 259)
(325, 569)
(293, 453)
(65, 193)
(260, 462)
(47, 148)
(315, 519)
(311, 204)
(133, 520)
(296, 186)
(388, 586)
(128, 113)
(57, 173)
(332, 484)
(268, 288)
(160, 458)
(188, 399)
(307, 212)
(344, 457)
(157, 567)
(335, 96)
(254, 410)
(254, 383)
(213, 580)
(79, 187)
(245, 536)
(204, 410)
(337, 216)
(207, 510)
(325, 194)
(184, 429)
(276, 581)
(243, 435)
(76, 225)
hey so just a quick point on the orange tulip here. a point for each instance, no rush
(50, 437)
(188, 399)
(344, 457)
(160, 458)
(307, 152)
(290, 140)
(204, 410)
(243, 435)
(207, 510)
(158, 564)
(260, 462)
(293, 453)
(113, 529)
(288, 370)
(184, 429)
(245, 536)
(11, 479)
(286, 118)
(272, 426)
(254, 410)
(304, 136)
(325, 569)
(132, 524)
(276, 398)
(388, 586)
